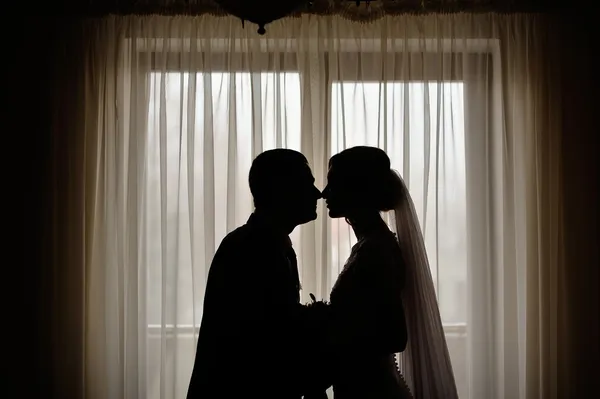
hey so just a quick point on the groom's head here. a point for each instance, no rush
(282, 184)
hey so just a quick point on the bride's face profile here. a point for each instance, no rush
(344, 195)
(337, 193)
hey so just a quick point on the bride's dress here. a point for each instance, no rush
(369, 321)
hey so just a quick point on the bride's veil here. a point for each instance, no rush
(425, 363)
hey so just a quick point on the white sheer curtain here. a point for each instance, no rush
(177, 107)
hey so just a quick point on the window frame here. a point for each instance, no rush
(479, 149)
(178, 58)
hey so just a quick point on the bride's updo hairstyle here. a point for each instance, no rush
(367, 177)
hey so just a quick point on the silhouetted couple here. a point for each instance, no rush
(258, 341)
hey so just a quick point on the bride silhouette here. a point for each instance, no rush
(383, 302)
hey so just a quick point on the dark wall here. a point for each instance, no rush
(581, 179)
(26, 117)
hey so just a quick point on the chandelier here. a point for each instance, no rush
(261, 12)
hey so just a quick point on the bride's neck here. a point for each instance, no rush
(365, 225)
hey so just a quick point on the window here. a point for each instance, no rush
(203, 130)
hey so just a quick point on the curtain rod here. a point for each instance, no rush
(346, 8)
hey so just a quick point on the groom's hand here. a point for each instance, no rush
(319, 311)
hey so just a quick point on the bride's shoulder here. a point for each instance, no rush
(380, 244)
(379, 259)
(380, 249)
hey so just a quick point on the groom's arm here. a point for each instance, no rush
(279, 336)
(303, 351)
(313, 355)
(239, 317)
(277, 325)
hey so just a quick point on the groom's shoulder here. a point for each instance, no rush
(243, 237)
(238, 236)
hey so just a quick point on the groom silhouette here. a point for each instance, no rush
(256, 339)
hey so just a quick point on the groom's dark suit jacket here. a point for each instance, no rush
(252, 332)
